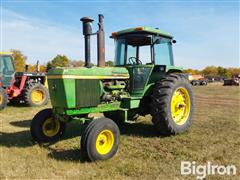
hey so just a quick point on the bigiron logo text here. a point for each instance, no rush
(203, 170)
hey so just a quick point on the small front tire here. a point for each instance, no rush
(100, 140)
(46, 128)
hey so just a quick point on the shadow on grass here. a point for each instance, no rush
(23, 138)
(16, 139)
(140, 130)
(16, 104)
(66, 155)
(23, 123)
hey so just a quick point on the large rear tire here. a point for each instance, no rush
(3, 99)
(100, 140)
(45, 128)
(172, 104)
(36, 94)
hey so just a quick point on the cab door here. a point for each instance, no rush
(6, 70)
(139, 76)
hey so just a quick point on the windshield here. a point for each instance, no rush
(140, 49)
(163, 52)
(6, 65)
(134, 49)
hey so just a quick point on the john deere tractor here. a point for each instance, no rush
(143, 81)
(20, 86)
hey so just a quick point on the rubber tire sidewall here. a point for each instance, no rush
(88, 142)
(37, 123)
(161, 104)
(34, 86)
(181, 128)
(4, 99)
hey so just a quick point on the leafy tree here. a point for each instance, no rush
(79, 63)
(109, 63)
(222, 72)
(19, 60)
(232, 71)
(191, 71)
(210, 71)
(33, 68)
(43, 68)
(58, 61)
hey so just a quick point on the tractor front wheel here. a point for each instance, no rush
(36, 94)
(3, 99)
(46, 128)
(172, 104)
(100, 140)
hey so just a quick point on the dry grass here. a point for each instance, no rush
(214, 136)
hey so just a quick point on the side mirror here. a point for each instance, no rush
(174, 41)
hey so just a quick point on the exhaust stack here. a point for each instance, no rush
(100, 42)
(87, 32)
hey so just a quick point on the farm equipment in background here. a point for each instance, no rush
(234, 81)
(131, 87)
(27, 87)
(197, 80)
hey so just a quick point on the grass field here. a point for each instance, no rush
(143, 154)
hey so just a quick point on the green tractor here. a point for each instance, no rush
(143, 81)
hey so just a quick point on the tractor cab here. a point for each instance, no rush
(143, 46)
(7, 69)
(145, 52)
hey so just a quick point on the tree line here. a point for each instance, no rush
(215, 71)
(58, 61)
(63, 61)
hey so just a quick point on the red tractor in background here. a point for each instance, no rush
(18, 87)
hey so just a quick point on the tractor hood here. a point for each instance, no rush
(80, 87)
(89, 73)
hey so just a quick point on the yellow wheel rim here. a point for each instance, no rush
(180, 105)
(37, 96)
(50, 127)
(104, 142)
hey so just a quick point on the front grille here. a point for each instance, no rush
(87, 92)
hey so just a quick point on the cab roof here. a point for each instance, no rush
(6, 53)
(143, 29)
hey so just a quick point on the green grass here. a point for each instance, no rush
(143, 154)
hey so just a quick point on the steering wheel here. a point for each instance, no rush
(134, 60)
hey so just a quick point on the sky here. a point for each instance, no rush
(207, 32)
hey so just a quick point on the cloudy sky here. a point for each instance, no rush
(207, 32)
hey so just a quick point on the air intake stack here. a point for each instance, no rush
(101, 42)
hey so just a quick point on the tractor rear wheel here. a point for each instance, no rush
(3, 99)
(100, 140)
(36, 94)
(172, 104)
(45, 128)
